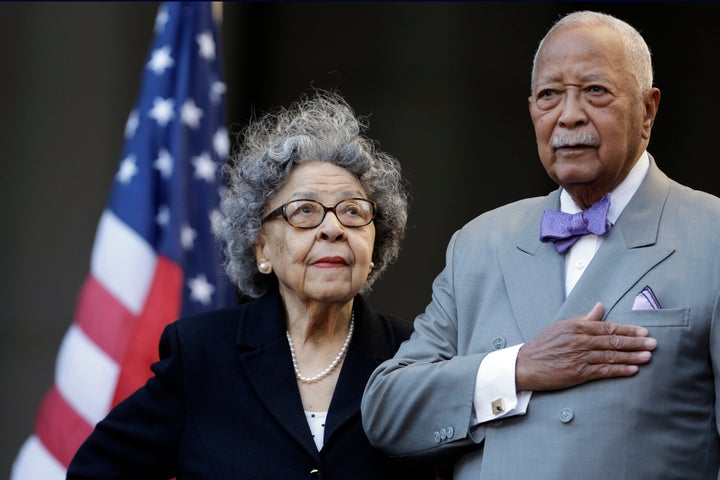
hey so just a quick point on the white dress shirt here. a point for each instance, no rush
(495, 394)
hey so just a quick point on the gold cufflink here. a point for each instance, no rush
(498, 406)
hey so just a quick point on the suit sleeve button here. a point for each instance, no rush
(436, 437)
(498, 343)
(450, 432)
(566, 415)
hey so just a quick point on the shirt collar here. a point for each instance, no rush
(620, 196)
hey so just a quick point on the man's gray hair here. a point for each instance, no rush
(637, 52)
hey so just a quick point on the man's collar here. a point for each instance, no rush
(620, 196)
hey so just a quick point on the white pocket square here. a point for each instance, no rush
(646, 300)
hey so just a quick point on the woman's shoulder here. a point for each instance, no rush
(211, 317)
(400, 327)
(396, 330)
(204, 327)
(251, 323)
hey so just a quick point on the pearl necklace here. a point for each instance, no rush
(333, 365)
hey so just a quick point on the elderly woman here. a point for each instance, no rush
(271, 389)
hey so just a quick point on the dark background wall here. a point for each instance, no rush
(444, 85)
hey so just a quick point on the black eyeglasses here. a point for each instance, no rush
(303, 213)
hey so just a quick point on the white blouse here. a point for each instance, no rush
(316, 421)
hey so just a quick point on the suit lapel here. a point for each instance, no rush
(533, 273)
(608, 285)
(628, 252)
(265, 359)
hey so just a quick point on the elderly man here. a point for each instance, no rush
(573, 335)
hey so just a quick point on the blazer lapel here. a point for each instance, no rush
(368, 348)
(265, 359)
(628, 252)
(533, 272)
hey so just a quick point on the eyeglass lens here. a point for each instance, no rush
(353, 212)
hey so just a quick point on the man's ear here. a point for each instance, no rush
(651, 102)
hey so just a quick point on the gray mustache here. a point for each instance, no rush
(574, 139)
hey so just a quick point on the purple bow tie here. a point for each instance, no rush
(565, 229)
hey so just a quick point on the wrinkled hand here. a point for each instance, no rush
(574, 351)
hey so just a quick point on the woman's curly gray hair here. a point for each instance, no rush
(324, 128)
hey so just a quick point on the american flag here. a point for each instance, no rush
(154, 257)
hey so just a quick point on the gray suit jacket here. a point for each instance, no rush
(501, 286)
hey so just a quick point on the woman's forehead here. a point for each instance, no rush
(321, 177)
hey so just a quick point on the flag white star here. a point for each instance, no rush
(162, 110)
(164, 163)
(163, 216)
(221, 142)
(131, 124)
(217, 90)
(128, 169)
(160, 60)
(205, 167)
(161, 19)
(190, 113)
(187, 237)
(200, 289)
(207, 45)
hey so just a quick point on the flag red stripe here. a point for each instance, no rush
(161, 307)
(60, 429)
(104, 319)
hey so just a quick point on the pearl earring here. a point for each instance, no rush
(264, 267)
(372, 265)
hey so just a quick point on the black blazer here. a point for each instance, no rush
(224, 404)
